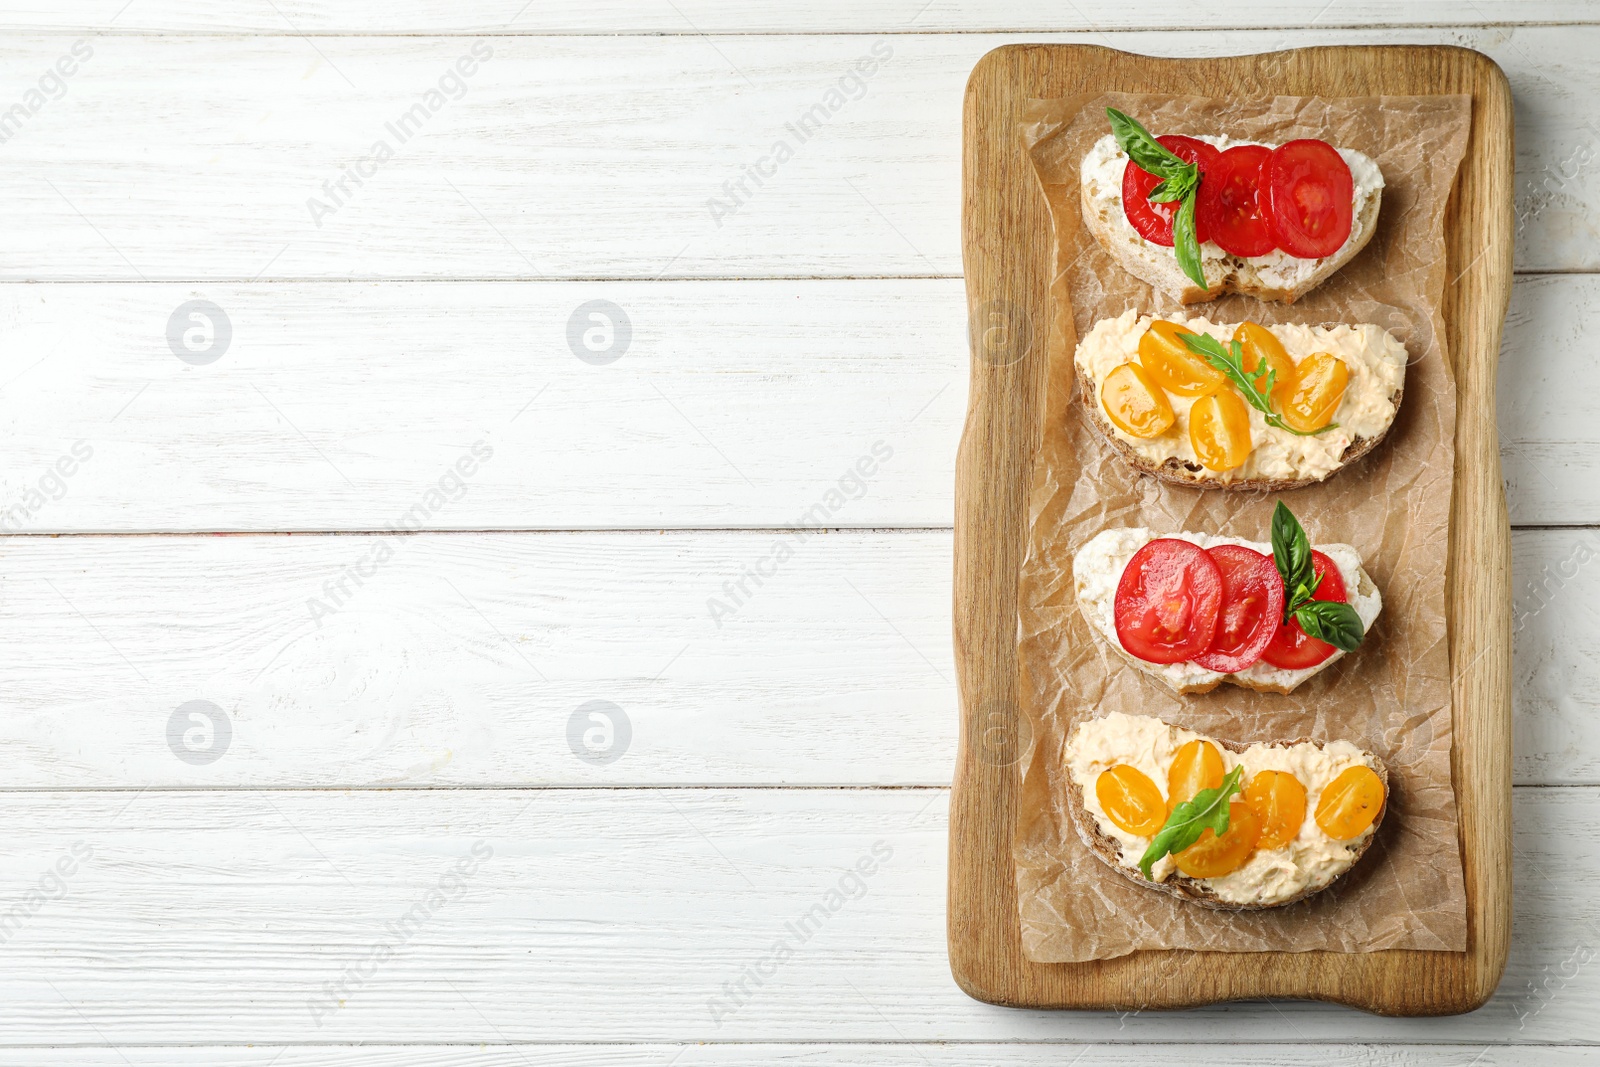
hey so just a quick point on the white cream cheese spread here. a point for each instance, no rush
(1309, 862)
(1374, 358)
(1097, 569)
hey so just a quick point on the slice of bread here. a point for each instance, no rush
(1101, 203)
(1375, 361)
(1195, 890)
(1097, 567)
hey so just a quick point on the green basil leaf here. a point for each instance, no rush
(1291, 551)
(1207, 809)
(1333, 622)
(1185, 243)
(1144, 149)
(1175, 188)
(1166, 192)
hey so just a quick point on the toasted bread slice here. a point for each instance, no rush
(1097, 567)
(1206, 892)
(1274, 277)
(1374, 358)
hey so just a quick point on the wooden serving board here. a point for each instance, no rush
(1006, 241)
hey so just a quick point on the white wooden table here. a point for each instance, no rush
(394, 832)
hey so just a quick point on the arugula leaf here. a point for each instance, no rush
(1229, 359)
(1333, 622)
(1207, 809)
(1180, 182)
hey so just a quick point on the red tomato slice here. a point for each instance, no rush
(1167, 602)
(1154, 221)
(1291, 648)
(1310, 198)
(1252, 608)
(1236, 212)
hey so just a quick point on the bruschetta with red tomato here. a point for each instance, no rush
(1198, 217)
(1194, 610)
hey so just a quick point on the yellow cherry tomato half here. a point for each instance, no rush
(1197, 766)
(1219, 430)
(1262, 351)
(1134, 403)
(1172, 366)
(1280, 801)
(1131, 800)
(1319, 384)
(1213, 856)
(1350, 803)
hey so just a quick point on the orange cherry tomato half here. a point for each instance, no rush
(1279, 799)
(1350, 803)
(1135, 405)
(1262, 351)
(1196, 766)
(1315, 392)
(1170, 364)
(1236, 212)
(1213, 856)
(1154, 221)
(1167, 602)
(1219, 430)
(1291, 648)
(1252, 608)
(1131, 800)
(1310, 198)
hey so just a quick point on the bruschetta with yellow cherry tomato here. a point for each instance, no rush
(1239, 405)
(1224, 824)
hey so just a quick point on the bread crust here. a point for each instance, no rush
(1180, 885)
(1175, 471)
(1154, 265)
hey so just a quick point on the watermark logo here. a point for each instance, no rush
(1540, 592)
(199, 733)
(1551, 982)
(599, 332)
(451, 85)
(51, 885)
(851, 885)
(449, 487)
(52, 86)
(599, 732)
(851, 485)
(48, 487)
(450, 886)
(999, 734)
(199, 332)
(1000, 332)
(849, 87)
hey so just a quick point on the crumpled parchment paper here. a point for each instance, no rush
(1392, 696)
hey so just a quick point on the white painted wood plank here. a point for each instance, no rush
(1556, 679)
(551, 165)
(1549, 438)
(594, 915)
(735, 404)
(726, 16)
(835, 670)
(338, 406)
(883, 1054)
(465, 659)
